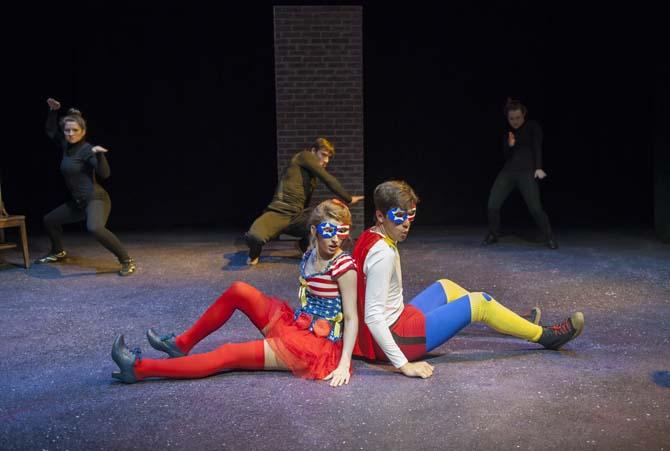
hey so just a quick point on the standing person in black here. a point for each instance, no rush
(522, 145)
(80, 165)
(287, 213)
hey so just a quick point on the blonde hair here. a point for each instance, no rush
(333, 209)
(329, 209)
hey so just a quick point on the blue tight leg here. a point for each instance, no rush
(448, 308)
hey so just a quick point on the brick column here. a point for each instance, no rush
(319, 90)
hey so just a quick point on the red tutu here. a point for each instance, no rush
(307, 355)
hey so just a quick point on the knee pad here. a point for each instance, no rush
(479, 303)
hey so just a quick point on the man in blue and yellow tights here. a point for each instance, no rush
(403, 333)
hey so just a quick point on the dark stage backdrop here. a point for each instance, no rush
(437, 80)
(183, 96)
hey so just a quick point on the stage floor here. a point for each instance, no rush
(608, 389)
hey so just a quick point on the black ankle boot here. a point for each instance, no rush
(555, 336)
(490, 239)
(164, 343)
(125, 359)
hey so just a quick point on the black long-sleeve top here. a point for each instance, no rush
(526, 153)
(296, 186)
(79, 165)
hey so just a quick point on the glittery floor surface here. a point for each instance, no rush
(608, 389)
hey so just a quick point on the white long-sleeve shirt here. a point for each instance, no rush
(383, 298)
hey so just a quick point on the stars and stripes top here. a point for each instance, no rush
(324, 284)
(319, 293)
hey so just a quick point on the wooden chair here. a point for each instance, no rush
(7, 221)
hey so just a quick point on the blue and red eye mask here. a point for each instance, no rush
(399, 216)
(329, 230)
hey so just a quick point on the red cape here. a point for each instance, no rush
(364, 343)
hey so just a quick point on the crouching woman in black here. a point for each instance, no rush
(81, 164)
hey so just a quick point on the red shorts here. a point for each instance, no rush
(409, 333)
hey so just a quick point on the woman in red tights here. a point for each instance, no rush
(314, 342)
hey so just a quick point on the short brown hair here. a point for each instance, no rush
(394, 193)
(514, 105)
(323, 144)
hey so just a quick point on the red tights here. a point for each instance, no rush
(249, 355)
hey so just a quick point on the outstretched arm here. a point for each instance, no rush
(51, 126)
(99, 162)
(310, 162)
(356, 199)
(347, 285)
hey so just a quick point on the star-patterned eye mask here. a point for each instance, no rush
(329, 230)
(398, 215)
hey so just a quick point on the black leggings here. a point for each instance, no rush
(503, 186)
(96, 213)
